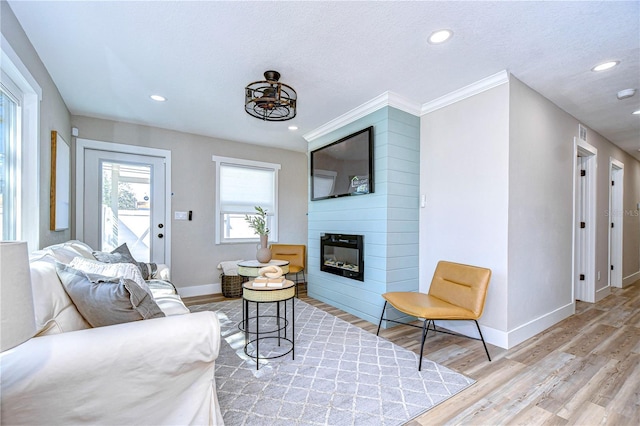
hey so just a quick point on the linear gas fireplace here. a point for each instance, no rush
(342, 254)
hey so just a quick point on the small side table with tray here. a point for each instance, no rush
(268, 291)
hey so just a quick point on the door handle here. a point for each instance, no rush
(160, 235)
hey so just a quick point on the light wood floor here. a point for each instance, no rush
(584, 370)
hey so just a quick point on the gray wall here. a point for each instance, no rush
(464, 176)
(631, 221)
(541, 179)
(54, 115)
(194, 253)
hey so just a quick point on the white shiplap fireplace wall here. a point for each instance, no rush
(388, 219)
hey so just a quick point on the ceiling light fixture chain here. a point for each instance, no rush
(270, 100)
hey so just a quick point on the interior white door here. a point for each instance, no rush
(581, 240)
(585, 224)
(124, 202)
(616, 218)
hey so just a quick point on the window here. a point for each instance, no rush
(9, 151)
(20, 97)
(242, 185)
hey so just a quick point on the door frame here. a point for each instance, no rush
(616, 216)
(83, 144)
(585, 247)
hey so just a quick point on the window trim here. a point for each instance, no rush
(273, 234)
(28, 215)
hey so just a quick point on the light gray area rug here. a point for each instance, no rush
(341, 375)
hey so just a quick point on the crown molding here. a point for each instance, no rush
(386, 99)
(465, 92)
(403, 104)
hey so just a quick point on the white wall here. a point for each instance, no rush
(631, 230)
(54, 115)
(464, 154)
(194, 253)
(540, 212)
(497, 173)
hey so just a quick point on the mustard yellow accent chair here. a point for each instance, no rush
(457, 292)
(296, 254)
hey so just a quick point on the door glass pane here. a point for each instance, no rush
(126, 208)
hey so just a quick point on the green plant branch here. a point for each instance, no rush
(258, 221)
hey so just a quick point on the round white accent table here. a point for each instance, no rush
(278, 325)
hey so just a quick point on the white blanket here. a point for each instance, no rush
(229, 267)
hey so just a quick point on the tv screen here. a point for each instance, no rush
(344, 167)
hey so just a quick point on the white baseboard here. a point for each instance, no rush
(530, 329)
(628, 280)
(200, 290)
(509, 339)
(602, 293)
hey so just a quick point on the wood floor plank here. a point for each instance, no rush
(545, 346)
(616, 378)
(612, 301)
(586, 414)
(626, 401)
(620, 344)
(574, 397)
(527, 388)
(504, 370)
(589, 339)
(575, 375)
(535, 415)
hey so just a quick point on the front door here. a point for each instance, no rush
(124, 202)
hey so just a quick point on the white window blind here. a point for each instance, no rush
(241, 186)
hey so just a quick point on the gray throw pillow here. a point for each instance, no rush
(121, 254)
(106, 301)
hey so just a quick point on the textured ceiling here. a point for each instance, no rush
(107, 58)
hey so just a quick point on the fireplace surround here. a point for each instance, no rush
(342, 254)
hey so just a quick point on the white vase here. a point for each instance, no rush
(263, 254)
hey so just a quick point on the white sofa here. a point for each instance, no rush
(150, 372)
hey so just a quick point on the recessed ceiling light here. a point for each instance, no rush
(636, 112)
(605, 66)
(440, 36)
(158, 98)
(626, 93)
(293, 127)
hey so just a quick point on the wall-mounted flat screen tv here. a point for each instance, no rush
(344, 167)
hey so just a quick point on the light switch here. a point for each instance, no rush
(180, 215)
